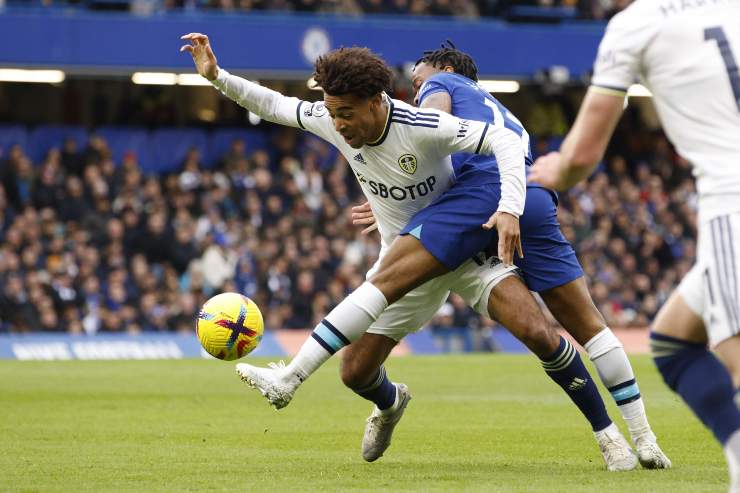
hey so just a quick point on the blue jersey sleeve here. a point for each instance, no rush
(440, 82)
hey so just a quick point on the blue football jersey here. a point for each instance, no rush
(471, 102)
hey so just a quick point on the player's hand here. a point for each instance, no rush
(546, 171)
(362, 215)
(203, 57)
(509, 239)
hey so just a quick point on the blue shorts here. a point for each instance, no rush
(549, 260)
(450, 227)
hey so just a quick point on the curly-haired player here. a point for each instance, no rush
(400, 156)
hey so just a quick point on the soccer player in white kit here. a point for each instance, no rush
(402, 164)
(687, 53)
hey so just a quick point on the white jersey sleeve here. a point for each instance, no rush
(274, 107)
(457, 135)
(627, 36)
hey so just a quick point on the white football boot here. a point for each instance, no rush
(615, 450)
(380, 425)
(649, 453)
(274, 383)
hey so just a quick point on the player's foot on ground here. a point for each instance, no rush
(380, 425)
(274, 383)
(615, 450)
(650, 455)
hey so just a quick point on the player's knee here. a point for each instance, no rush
(733, 368)
(735, 374)
(540, 338)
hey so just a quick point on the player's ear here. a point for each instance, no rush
(448, 68)
(375, 101)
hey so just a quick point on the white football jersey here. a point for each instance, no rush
(687, 53)
(409, 165)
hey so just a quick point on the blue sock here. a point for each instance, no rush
(381, 391)
(693, 372)
(565, 367)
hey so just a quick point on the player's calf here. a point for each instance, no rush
(362, 361)
(572, 306)
(511, 303)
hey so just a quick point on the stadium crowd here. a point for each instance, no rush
(527, 10)
(90, 245)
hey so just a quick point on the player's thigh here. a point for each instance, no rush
(405, 266)
(573, 308)
(681, 316)
(496, 291)
(549, 260)
(361, 360)
(729, 352)
(476, 278)
(511, 304)
(718, 261)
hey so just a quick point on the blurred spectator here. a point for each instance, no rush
(586, 9)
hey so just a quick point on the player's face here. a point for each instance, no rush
(359, 120)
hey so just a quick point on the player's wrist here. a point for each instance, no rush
(220, 76)
(509, 210)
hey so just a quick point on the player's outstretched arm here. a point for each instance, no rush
(585, 144)
(266, 103)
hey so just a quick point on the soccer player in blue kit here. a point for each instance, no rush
(357, 115)
(446, 79)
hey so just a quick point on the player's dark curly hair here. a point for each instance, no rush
(354, 70)
(449, 55)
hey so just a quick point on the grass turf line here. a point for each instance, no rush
(476, 423)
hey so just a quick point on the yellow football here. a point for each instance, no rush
(229, 326)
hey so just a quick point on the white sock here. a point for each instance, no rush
(732, 452)
(343, 325)
(612, 428)
(615, 371)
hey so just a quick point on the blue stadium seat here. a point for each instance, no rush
(170, 145)
(220, 141)
(44, 137)
(127, 139)
(11, 135)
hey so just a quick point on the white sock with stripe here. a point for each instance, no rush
(342, 326)
(615, 371)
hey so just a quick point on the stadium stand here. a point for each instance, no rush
(547, 11)
(129, 229)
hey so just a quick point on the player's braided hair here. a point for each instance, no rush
(354, 70)
(449, 55)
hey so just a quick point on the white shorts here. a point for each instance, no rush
(473, 282)
(712, 287)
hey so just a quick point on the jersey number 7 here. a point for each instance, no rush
(718, 34)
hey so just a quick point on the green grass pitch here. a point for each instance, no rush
(476, 423)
